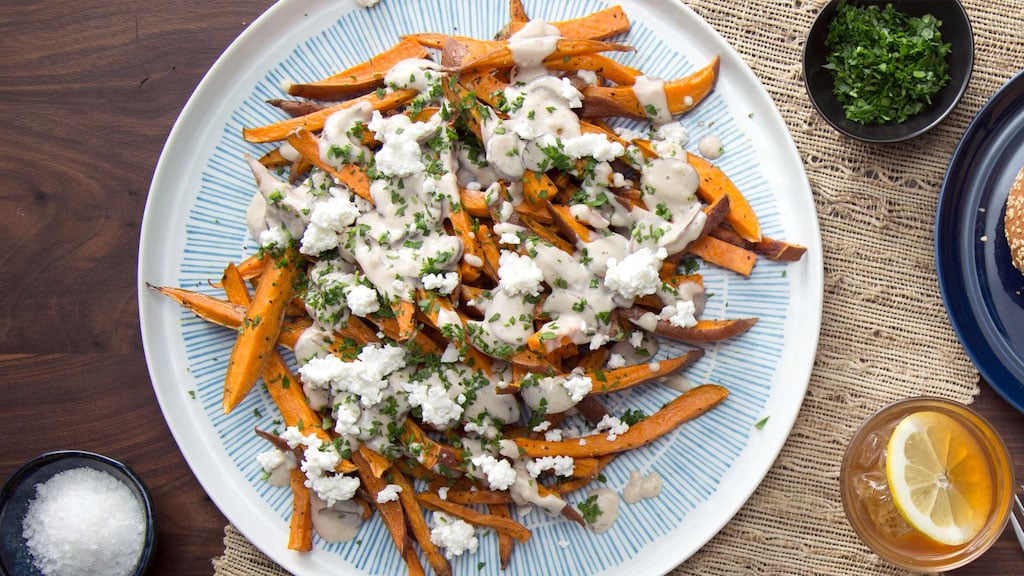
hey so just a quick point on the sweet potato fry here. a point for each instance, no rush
(538, 187)
(415, 180)
(286, 391)
(296, 108)
(686, 407)
(391, 512)
(360, 78)
(260, 328)
(581, 481)
(378, 464)
(300, 527)
(602, 65)
(224, 313)
(596, 25)
(714, 184)
(405, 314)
(474, 202)
(315, 120)
(571, 228)
(566, 47)
(418, 524)
(546, 234)
(350, 175)
(704, 331)
(767, 247)
(432, 453)
(505, 542)
(502, 525)
(608, 381)
(728, 256)
(681, 96)
(478, 497)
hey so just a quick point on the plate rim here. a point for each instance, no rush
(782, 421)
(963, 315)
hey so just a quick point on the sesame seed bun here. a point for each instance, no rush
(1014, 221)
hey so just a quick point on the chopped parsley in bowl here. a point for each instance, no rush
(882, 71)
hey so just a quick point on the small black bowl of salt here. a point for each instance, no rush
(75, 513)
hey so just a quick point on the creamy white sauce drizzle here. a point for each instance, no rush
(650, 92)
(639, 487)
(608, 503)
(337, 523)
(710, 147)
(534, 42)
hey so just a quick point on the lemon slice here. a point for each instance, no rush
(938, 477)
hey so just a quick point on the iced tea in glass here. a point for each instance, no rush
(869, 504)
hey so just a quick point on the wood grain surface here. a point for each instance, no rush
(88, 92)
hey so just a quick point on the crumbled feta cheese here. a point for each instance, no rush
(455, 535)
(326, 221)
(319, 461)
(615, 361)
(572, 96)
(365, 376)
(362, 300)
(367, 3)
(317, 239)
(315, 462)
(563, 544)
(612, 425)
(590, 145)
(560, 465)
(388, 493)
(275, 238)
(346, 416)
(438, 408)
(542, 426)
(500, 474)
(672, 132)
(508, 233)
(334, 488)
(636, 338)
(443, 283)
(519, 274)
(578, 386)
(293, 437)
(442, 492)
(271, 459)
(636, 275)
(681, 314)
(554, 435)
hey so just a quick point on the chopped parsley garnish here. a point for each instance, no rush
(886, 65)
(631, 416)
(589, 509)
(760, 423)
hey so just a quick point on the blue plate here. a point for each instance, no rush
(983, 292)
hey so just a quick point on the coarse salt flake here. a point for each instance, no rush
(84, 522)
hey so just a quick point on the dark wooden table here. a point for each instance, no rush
(88, 93)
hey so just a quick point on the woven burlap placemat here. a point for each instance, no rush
(885, 334)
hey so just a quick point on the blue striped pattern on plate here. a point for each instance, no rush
(692, 461)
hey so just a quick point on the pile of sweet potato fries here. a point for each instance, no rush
(273, 316)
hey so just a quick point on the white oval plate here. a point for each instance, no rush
(194, 225)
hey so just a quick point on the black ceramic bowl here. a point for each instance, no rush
(955, 30)
(19, 490)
